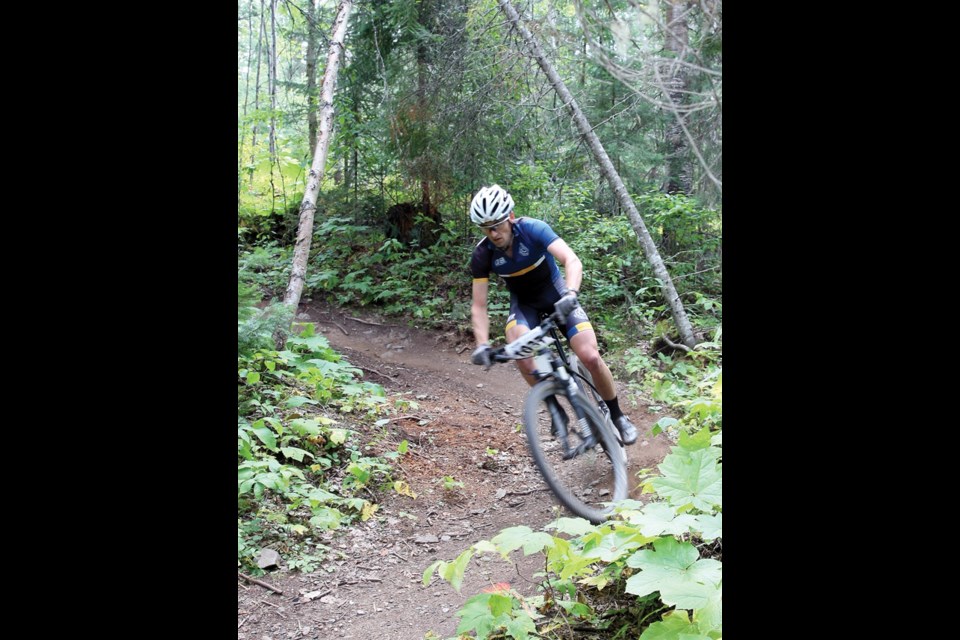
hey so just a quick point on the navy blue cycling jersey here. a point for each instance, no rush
(531, 274)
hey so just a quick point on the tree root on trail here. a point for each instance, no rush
(376, 372)
(673, 345)
(259, 582)
(336, 325)
(378, 324)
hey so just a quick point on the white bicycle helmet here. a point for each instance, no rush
(490, 206)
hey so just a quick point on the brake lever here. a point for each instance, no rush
(493, 358)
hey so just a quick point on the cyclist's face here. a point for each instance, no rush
(500, 235)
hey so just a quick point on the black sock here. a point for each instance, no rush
(614, 406)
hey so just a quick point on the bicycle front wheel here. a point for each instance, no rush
(584, 483)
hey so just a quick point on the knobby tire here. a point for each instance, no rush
(584, 482)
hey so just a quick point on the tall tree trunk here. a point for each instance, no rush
(246, 102)
(430, 224)
(308, 205)
(272, 79)
(272, 76)
(679, 172)
(312, 75)
(606, 168)
(256, 96)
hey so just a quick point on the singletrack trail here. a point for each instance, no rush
(374, 569)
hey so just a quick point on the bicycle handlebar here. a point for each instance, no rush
(528, 344)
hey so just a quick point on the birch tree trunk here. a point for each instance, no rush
(261, 36)
(272, 80)
(246, 101)
(308, 205)
(616, 183)
(272, 76)
(312, 76)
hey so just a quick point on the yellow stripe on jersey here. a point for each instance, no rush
(584, 326)
(481, 279)
(510, 325)
(527, 270)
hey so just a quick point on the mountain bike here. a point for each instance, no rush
(581, 457)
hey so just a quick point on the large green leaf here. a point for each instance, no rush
(672, 568)
(521, 626)
(612, 546)
(453, 572)
(710, 616)
(500, 604)
(475, 616)
(710, 526)
(326, 518)
(297, 401)
(318, 496)
(698, 440)
(658, 518)
(428, 572)
(522, 536)
(314, 343)
(266, 436)
(294, 453)
(674, 626)
(305, 427)
(485, 546)
(691, 477)
(571, 526)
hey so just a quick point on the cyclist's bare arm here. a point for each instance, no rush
(572, 267)
(478, 311)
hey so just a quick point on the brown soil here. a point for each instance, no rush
(370, 585)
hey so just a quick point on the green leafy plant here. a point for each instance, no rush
(451, 484)
(298, 469)
(658, 555)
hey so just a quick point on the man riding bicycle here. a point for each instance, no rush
(524, 252)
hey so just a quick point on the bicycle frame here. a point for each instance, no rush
(548, 364)
(589, 429)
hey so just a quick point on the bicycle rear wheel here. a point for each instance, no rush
(585, 482)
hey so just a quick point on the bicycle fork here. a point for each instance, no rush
(586, 434)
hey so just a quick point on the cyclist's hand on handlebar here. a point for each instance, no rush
(566, 304)
(481, 355)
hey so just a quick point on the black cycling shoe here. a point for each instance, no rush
(557, 417)
(628, 432)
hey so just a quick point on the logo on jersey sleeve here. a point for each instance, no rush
(500, 262)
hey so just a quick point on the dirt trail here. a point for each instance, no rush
(373, 586)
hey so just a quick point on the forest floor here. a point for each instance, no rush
(370, 585)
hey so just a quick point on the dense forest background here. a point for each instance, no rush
(436, 98)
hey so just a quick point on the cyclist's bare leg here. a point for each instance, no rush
(525, 366)
(584, 344)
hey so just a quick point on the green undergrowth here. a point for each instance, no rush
(303, 468)
(354, 264)
(653, 571)
(303, 418)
